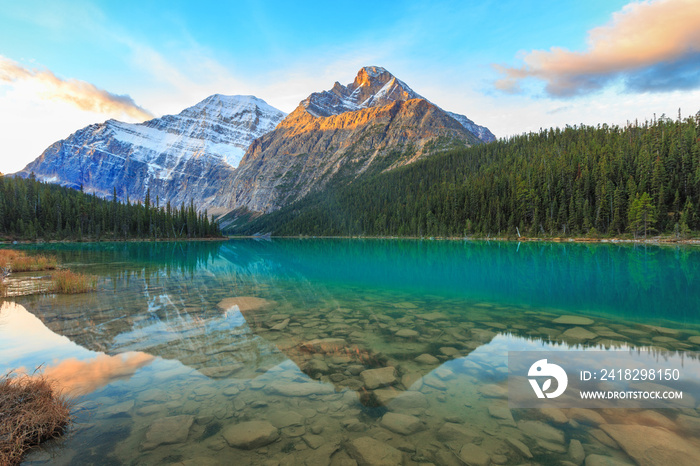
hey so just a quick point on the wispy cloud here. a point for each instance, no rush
(650, 46)
(81, 94)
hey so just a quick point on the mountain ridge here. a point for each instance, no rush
(227, 153)
(375, 121)
(179, 157)
(374, 86)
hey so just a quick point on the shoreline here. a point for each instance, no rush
(657, 240)
(130, 240)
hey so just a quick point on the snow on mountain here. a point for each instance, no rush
(219, 126)
(374, 86)
(179, 157)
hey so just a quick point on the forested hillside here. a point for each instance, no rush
(559, 182)
(32, 210)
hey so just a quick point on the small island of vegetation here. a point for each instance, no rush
(58, 281)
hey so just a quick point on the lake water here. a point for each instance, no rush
(353, 351)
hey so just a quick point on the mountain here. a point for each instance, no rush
(375, 123)
(375, 87)
(555, 183)
(178, 157)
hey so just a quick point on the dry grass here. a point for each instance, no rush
(19, 261)
(3, 287)
(67, 282)
(31, 411)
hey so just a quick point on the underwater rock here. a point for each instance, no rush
(554, 415)
(501, 412)
(586, 416)
(474, 455)
(689, 424)
(375, 378)
(600, 460)
(519, 446)
(604, 438)
(324, 345)
(573, 320)
(168, 431)
(451, 432)
(576, 452)
(251, 434)
(578, 334)
(281, 419)
(493, 391)
(122, 408)
(314, 441)
(300, 388)
(653, 445)
(281, 326)
(434, 382)
(244, 303)
(540, 430)
(401, 423)
(426, 358)
(694, 340)
(153, 395)
(408, 400)
(449, 351)
(384, 395)
(220, 372)
(368, 451)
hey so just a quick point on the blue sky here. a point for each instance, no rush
(71, 63)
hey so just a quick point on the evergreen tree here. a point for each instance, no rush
(642, 214)
(33, 210)
(576, 180)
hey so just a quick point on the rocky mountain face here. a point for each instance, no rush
(236, 152)
(178, 157)
(375, 123)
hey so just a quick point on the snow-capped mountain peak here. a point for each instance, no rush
(226, 107)
(220, 126)
(178, 157)
(374, 86)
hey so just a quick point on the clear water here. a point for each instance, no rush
(183, 344)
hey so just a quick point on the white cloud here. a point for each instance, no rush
(81, 94)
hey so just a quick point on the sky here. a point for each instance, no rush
(513, 66)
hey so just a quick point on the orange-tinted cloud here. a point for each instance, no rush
(78, 377)
(81, 94)
(649, 45)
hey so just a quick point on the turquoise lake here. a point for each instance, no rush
(343, 352)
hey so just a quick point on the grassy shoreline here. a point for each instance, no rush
(60, 280)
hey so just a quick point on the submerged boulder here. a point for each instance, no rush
(167, 431)
(251, 434)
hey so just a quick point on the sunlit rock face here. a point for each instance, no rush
(178, 157)
(374, 123)
(374, 86)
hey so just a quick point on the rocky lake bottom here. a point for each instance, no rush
(216, 363)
